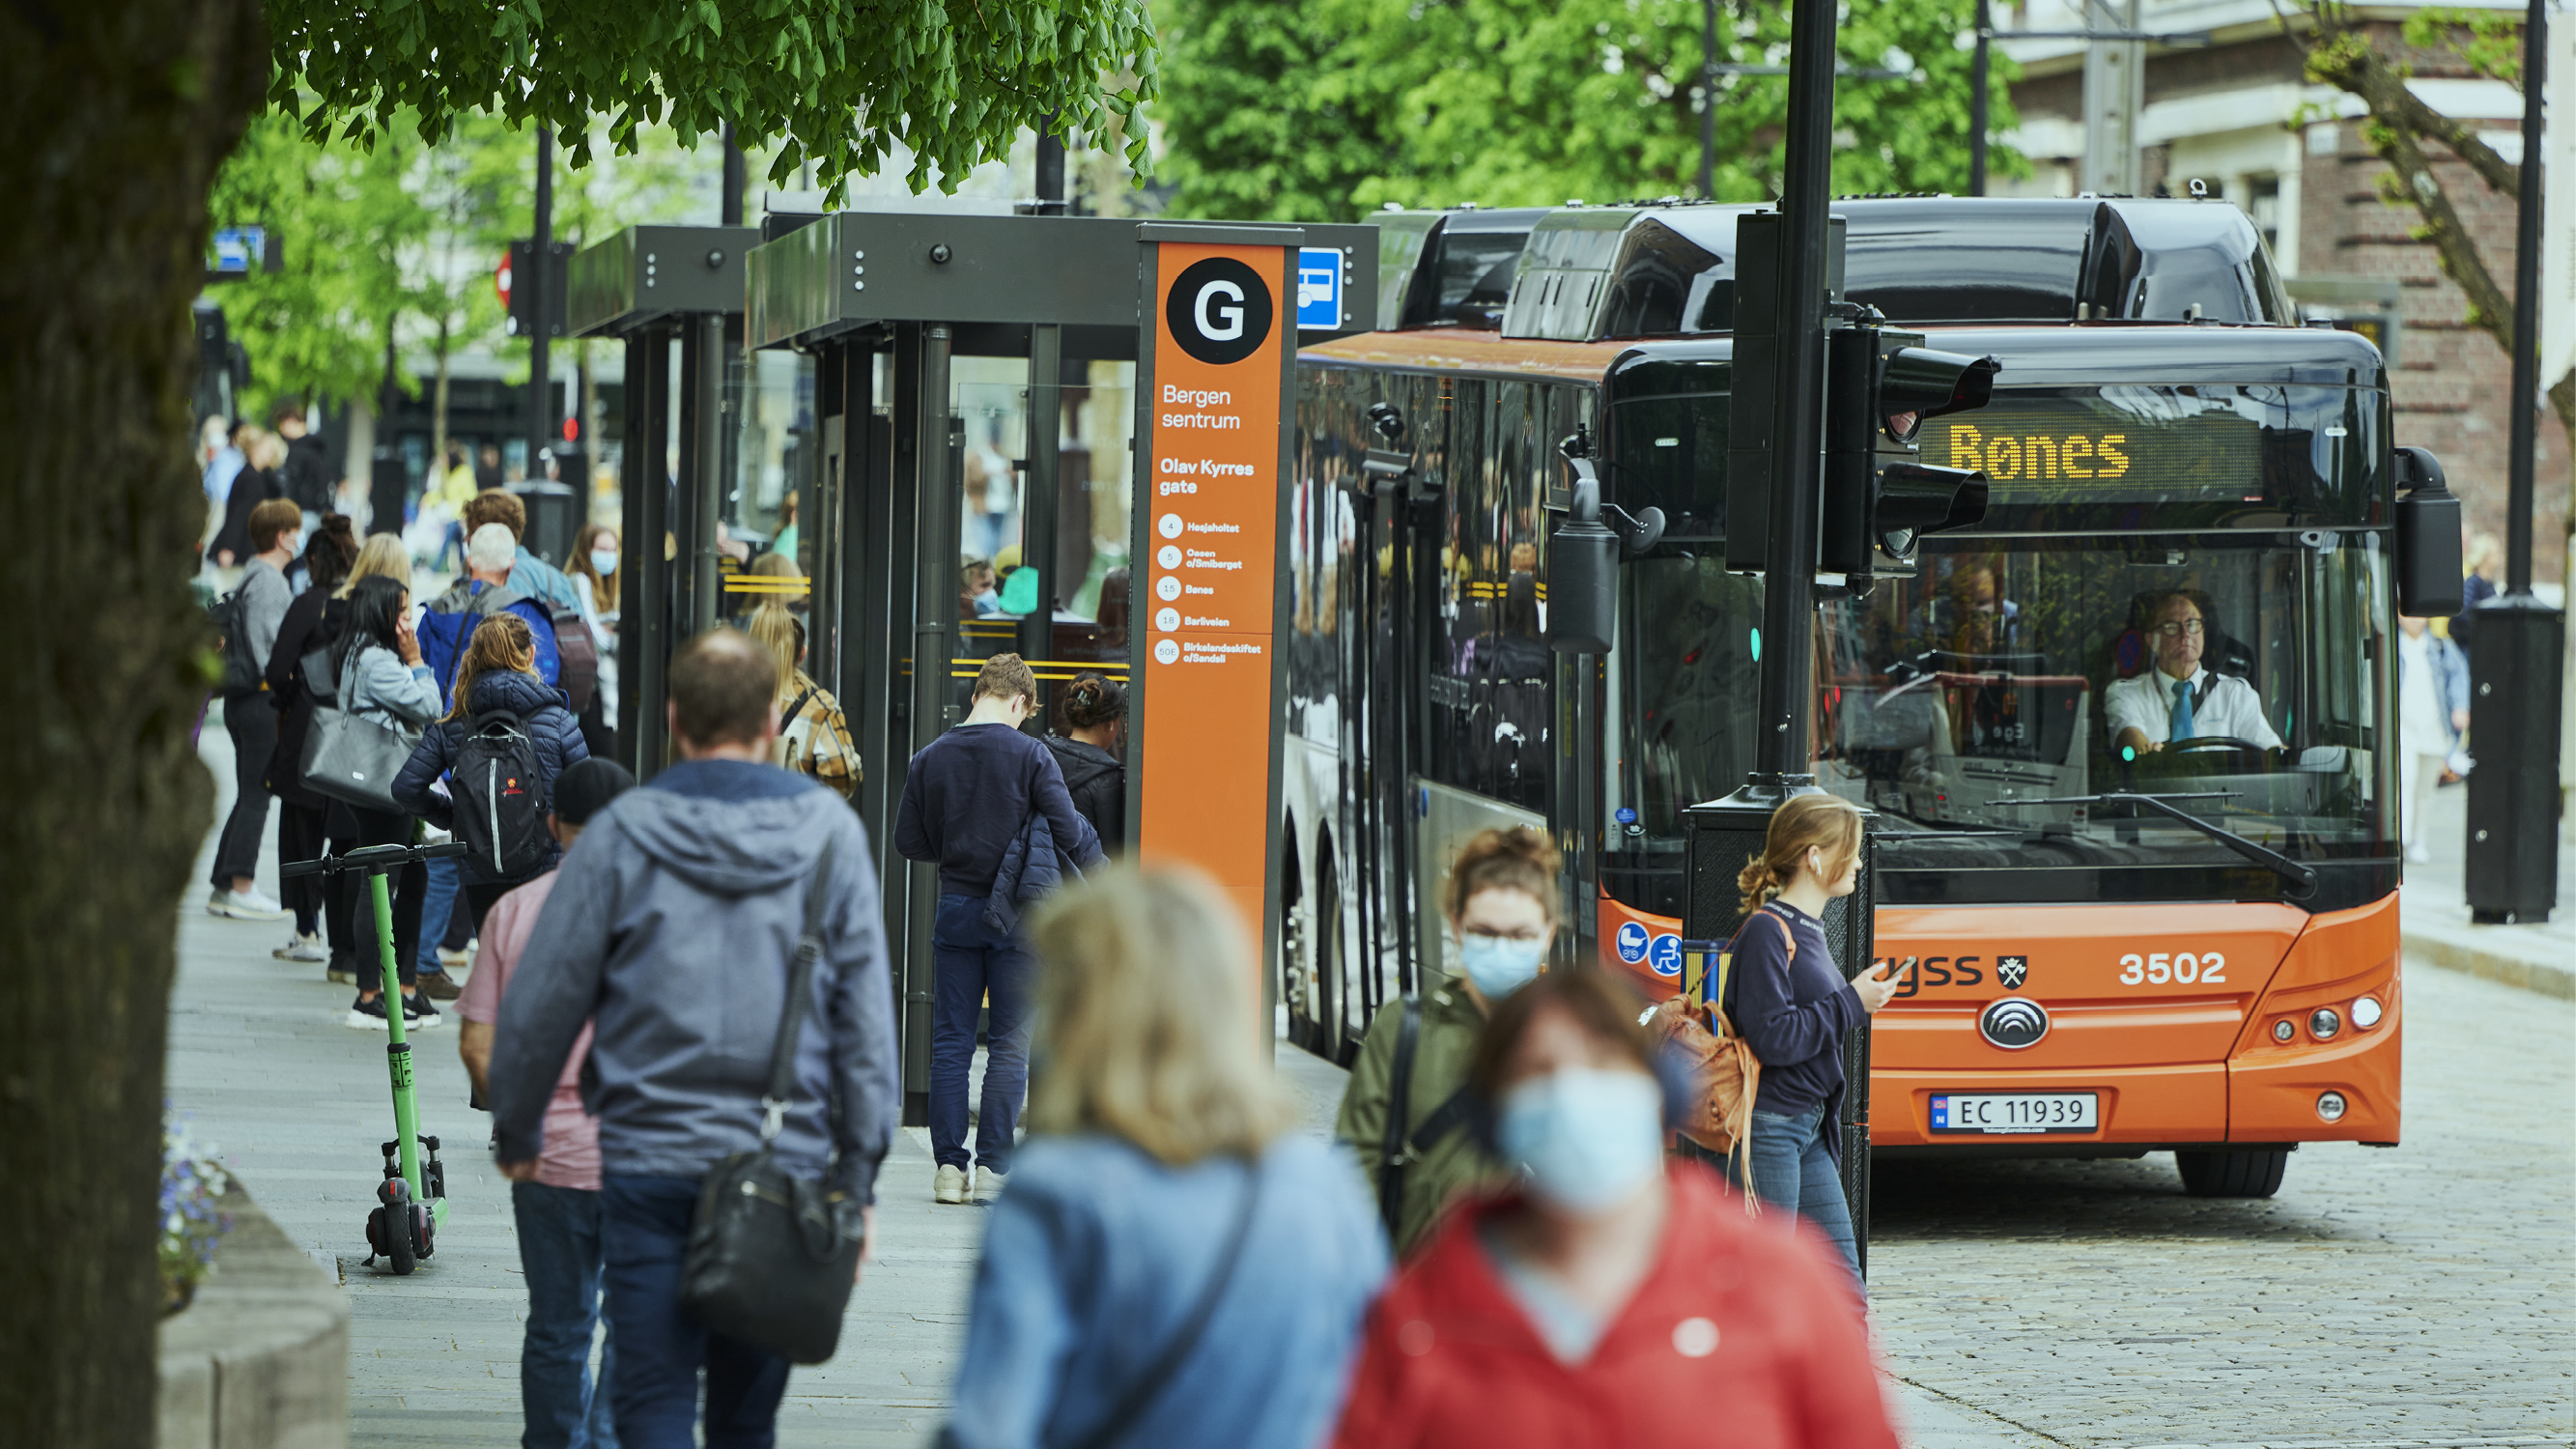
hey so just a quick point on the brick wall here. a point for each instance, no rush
(2452, 381)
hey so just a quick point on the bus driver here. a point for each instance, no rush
(2179, 700)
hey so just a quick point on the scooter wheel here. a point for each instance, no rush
(423, 1235)
(398, 1240)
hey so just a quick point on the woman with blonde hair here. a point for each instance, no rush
(1172, 1263)
(1793, 1007)
(813, 735)
(383, 555)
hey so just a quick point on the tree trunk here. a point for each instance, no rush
(438, 415)
(117, 115)
(2562, 398)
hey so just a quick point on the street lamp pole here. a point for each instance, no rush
(2517, 651)
(1978, 104)
(1708, 100)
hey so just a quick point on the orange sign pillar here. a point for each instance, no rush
(1215, 385)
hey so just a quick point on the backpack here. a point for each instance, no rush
(1725, 1074)
(241, 671)
(450, 624)
(500, 800)
(576, 654)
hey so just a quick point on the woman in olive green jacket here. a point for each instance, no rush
(1501, 903)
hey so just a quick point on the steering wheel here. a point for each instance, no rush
(2212, 742)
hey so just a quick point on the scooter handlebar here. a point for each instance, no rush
(370, 855)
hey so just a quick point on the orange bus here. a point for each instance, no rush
(2185, 488)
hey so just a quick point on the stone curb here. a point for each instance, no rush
(2459, 950)
(261, 1359)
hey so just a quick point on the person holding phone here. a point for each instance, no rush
(1790, 1001)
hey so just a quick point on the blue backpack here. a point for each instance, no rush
(449, 626)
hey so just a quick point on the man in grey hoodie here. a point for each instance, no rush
(670, 927)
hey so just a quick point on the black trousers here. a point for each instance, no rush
(304, 833)
(409, 886)
(252, 722)
(478, 898)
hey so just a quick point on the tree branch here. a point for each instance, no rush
(2342, 58)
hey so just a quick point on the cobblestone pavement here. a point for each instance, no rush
(2419, 1295)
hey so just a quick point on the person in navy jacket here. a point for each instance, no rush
(1793, 1007)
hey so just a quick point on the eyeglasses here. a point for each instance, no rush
(2176, 628)
(1517, 938)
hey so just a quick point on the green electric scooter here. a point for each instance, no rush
(411, 1202)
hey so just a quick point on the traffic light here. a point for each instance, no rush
(514, 284)
(1880, 385)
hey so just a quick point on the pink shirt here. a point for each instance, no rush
(570, 1157)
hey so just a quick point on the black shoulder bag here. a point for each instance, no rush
(767, 1262)
(1399, 1148)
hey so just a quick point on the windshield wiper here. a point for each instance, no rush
(2300, 876)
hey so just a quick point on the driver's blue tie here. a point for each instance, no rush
(2181, 710)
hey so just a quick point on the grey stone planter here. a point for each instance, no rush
(260, 1359)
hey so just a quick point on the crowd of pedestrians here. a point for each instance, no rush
(687, 982)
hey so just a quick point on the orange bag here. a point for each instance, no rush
(1694, 1026)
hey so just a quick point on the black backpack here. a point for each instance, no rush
(499, 800)
(241, 671)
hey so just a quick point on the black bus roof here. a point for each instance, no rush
(1582, 274)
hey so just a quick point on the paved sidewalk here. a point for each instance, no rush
(2433, 912)
(296, 1103)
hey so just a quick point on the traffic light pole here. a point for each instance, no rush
(1789, 562)
(541, 393)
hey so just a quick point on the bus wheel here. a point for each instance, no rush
(2231, 1172)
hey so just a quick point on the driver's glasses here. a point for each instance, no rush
(2175, 628)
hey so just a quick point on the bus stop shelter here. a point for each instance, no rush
(886, 303)
(652, 286)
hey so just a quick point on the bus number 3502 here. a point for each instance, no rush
(2208, 968)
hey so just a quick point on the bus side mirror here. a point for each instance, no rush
(2429, 579)
(1583, 564)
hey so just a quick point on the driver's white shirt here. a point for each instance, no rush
(2233, 709)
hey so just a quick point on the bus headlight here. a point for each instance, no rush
(2284, 1029)
(2330, 1106)
(2323, 1023)
(2365, 1012)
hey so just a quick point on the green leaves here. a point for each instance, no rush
(1329, 108)
(824, 80)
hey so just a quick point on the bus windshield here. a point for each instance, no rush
(1984, 707)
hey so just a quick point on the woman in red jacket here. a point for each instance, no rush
(1610, 1301)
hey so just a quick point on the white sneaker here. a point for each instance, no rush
(989, 1184)
(950, 1186)
(306, 948)
(247, 905)
(456, 958)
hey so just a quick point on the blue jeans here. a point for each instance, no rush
(644, 1227)
(1792, 1169)
(973, 964)
(445, 881)
(559, 1244)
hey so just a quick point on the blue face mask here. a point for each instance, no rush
(1499, 965)
(604, 560)
(1586, 1139)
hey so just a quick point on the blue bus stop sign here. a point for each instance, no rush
(1319, 288)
